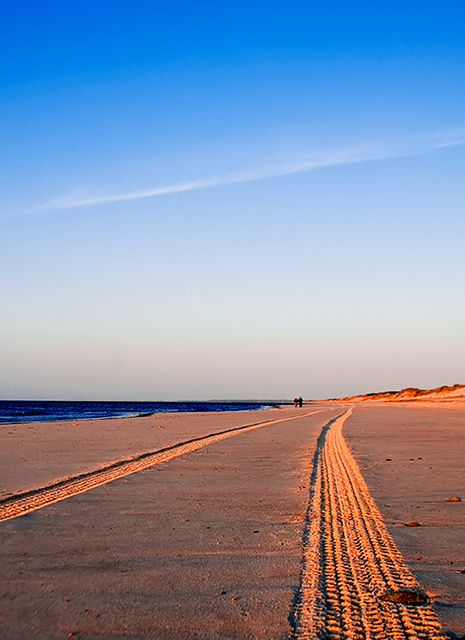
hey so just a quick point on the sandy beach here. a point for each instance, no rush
(217, 540)
(412, 458)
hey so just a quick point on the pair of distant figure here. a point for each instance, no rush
(298, 401)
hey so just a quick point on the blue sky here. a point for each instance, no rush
(252, 200)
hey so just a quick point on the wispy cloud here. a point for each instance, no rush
(413, 146)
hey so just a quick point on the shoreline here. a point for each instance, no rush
(218, 407)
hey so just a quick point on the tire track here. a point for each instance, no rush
(350, 562)
(24, 502)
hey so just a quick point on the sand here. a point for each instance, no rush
(206, 545)
(412, 458)
(210, 543)
(37, 453)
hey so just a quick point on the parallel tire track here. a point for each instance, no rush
(350, 559)
(24, 502)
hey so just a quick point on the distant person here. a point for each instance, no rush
(300, 401)
(296, 401)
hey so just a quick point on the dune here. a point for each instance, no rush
(409, 394)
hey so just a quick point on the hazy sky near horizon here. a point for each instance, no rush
(231, 200)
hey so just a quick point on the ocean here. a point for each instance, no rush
(44, 410)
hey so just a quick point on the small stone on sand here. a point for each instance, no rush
(405, 596)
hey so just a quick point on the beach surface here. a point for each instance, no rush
(412, 457)
(210, 542)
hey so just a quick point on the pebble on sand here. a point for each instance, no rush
(405, 596)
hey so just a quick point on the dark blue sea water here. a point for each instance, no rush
(42, 410)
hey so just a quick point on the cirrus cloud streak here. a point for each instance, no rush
(418, 145)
